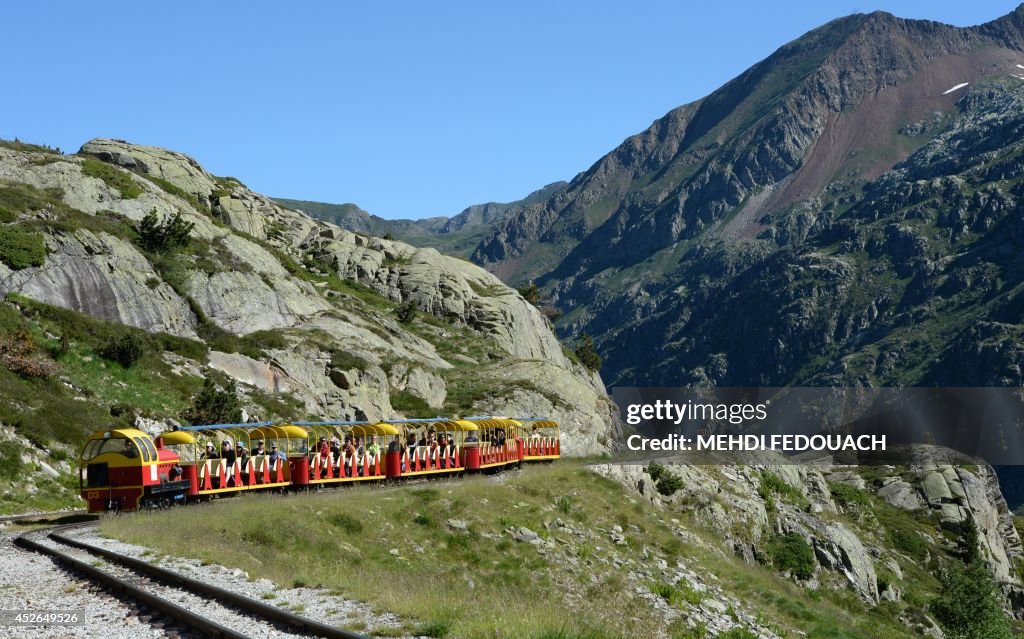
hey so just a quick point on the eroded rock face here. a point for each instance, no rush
(105, 277)
(245, 302)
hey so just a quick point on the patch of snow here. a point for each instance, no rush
(959, 86)
(1020, 66)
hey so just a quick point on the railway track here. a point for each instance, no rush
(207, 610)
(41, 517)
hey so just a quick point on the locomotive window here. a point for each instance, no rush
(146, 444)
(97, 447)
(142, 447)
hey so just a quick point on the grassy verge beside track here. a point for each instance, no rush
(438, 555)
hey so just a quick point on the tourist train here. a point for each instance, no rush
(125, 469)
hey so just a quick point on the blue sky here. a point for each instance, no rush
(409, 109)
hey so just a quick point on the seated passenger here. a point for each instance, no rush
(242, 453)
(472, 438)
(227, 453)
(259, 449)
(349, 450)
(535, 434)
(372, 449)
(396, 445)
(324, 448)
(275, 457)
(211, 452)
(129, 449)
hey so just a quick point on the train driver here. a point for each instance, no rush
(129, 449)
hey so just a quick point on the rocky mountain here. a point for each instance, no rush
(307, 318)
(844, 212)
(456, 235)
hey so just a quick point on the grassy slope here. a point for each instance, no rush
(480, 583)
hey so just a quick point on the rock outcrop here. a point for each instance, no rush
(852, 546)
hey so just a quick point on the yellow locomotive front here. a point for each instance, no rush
(122, 469)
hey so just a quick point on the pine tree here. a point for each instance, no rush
(214, 405)
(587, 354)
(969, 605)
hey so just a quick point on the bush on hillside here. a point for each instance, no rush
(125, 350)
(587, 354)
(20, 249)
(969, 604)
(215, 405)
(162, 236)
(791, 553)
(406, 312)
(665, 481)
(113, 177)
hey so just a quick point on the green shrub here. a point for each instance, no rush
(849, 497)
(969, 604)
(214, 405)
(346, 361)
(113, 177)
(772, 484)
(967, 544)
(438, 628)
(665, 481)
(908, 541)
(530, 292)
(162, 236)
(587, 354)
(676, 595)
(406, 312)
(125, 350)
(21, 249)
(410, 404)
(792, 553)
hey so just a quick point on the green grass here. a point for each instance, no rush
(25, 147)
(677, 594)
(437, 600)
(47, 411)
(115, 178)
(772, 484)
(358, 528)
(411, 405)
(20, 249)
(174, 189)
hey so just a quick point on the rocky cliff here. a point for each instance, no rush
(303, 314)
